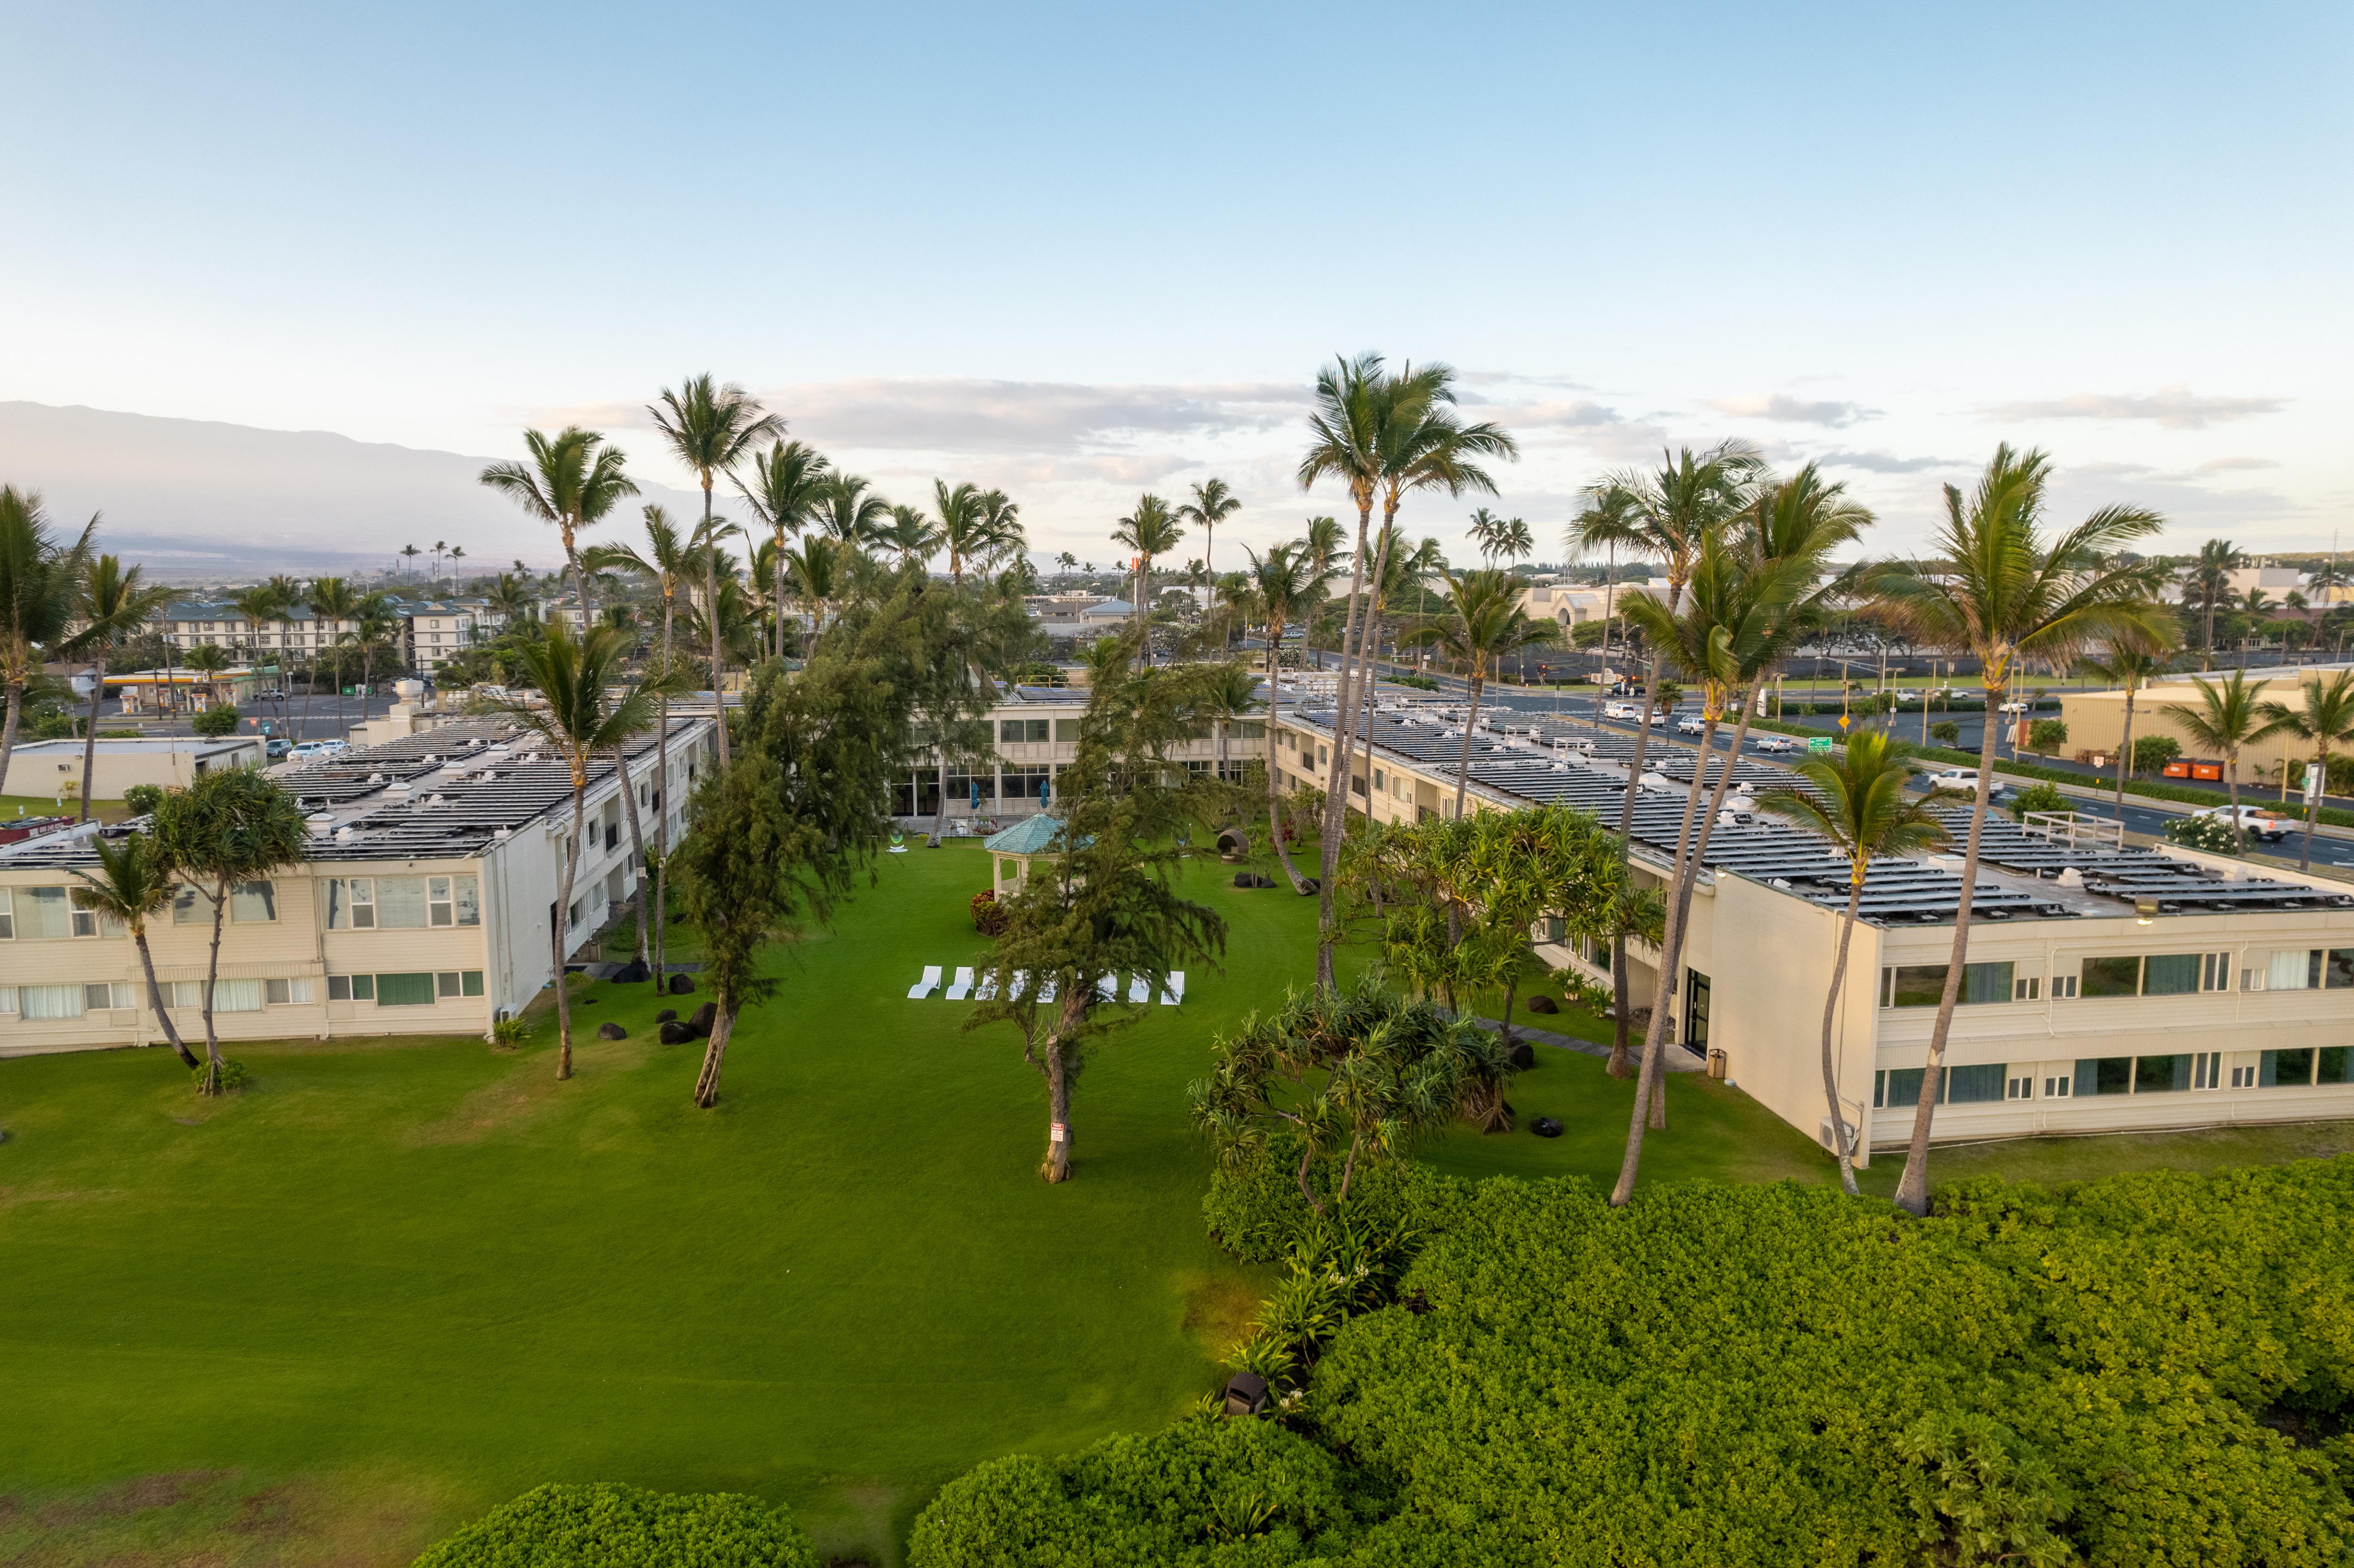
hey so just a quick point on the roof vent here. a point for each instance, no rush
(344, 835)
(502, 834)
(2071, 877)
(320, 821)
(375, 777)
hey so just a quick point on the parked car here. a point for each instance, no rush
(318, 750)
(2254, 820)
(276, 746)
(272, 695)
(1776, 743)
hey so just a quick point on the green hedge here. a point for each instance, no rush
(1255, 1211)
(607, 1526)
(2153, 1370)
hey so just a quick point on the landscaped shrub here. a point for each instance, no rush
(1228, 1493)
(989, 917)
(2212, 834)
(2038, 798)
(2151, 753)
(2047, 735)
(216, 722)
(143, 798)
(607, 1526)
(1255, 1211)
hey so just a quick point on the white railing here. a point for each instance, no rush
(2074, 828)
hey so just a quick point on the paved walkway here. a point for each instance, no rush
(1678, 1059)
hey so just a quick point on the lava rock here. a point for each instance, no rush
(1310, 885)
(674, 1034)
(705, 1017)
(1245, 879)
(634, 972)
(1546, 1126)
(680, 985)
(612, 1032)
(1523, 1055)
(667, 1015)
(1543, 1005)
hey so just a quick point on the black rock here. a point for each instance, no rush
(1245, 879)
(705, 1017)
(667, 1015)
(1543, 1005)
(634, 972)
(1246, 1393)
(674, 1034)
(1266, 882)
(1311, 884)
(1523, 1055)
(612, 1032)
(681, 984)
(1546, 1126)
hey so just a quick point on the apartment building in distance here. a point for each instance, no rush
(2107, 989)
(426, 634)
(428, 903)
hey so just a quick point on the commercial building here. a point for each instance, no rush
(428, 903)
(1568, 604)
(2097, 720)
(54, 767)
(2108, 989)
(165, 692)
(425, 635)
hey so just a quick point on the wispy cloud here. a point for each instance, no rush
(1887, 462)
(2233, 465)
(963, 415)
(2175, 408)
(1783, 408)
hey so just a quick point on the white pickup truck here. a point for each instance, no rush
(2254, 820)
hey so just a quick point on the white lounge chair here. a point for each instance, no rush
(1174, 991)
(1017, 985)
(929, 984)
(988, 991)
(963, 987)
(1139, 989)
(1108, 987)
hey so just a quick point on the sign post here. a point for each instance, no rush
(2311, 783)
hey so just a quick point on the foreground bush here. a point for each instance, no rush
(2153, 1370)
(607, 1526)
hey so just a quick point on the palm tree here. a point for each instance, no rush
(40, 583)
(2325, 720)
(208, 661)
(412, 552)
(964, 527)
(912, 535)
(230, 827)
(787, 490)
(375, 624)
(2130, 665)
(1859, 804)
(1507, 538)
(2209, 584)
(510, 598)
(1212, 505)
(457, 554)
(114, 605)
(1001, 524)
(2227, 716)
(1998, 586)
(131, 884)
(575, 720)
(669, 562)
(1286, 583)
(331, 604)
(711, 429)
(1482, 623)
(849, 512)
(814, 575)
(1150, 529)
(572, 480)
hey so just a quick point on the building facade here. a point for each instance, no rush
(1033, 736)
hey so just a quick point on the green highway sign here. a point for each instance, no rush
(1817, 746)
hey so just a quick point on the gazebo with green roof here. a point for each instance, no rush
(1012, 850)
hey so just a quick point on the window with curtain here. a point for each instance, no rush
(7, 1000)
(404, 989)
(2104, 1076)
(2293, 968)
(42, 912)
(237, 996)
(41, 1001)
(400, 903)
(2171, 974)
(1923, 985)
(100, 998)
(249, 902)
(1978, 1085)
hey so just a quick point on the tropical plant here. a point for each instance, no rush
(2001, 589)
(577, 721)
(232, 827)
(2130, 666)
(1286, 584)
(40, 587)
(2228, 716)
(1482, 623)
(132, 884)
(2207, 584)
(2325, 719)
(789, 488)
(911, 533)
(1150, 529)
(604, 1525)
(711, 430)
(572, 481)
(1212, 505)
(114, 605)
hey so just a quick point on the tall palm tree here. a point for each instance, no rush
(1286, 584)
(572, 480)
(333, 603)
(412, 552)
(814, 575)
(375, 624)
(2130, 665)
(1150, 529)
(2207, 584)
(1212, 505)
(2227, 716)
(849, 512)
(670, 564)
(1482, 623)
(1859, 803)
(133, 884)
(577, 721)
(2002, 588)
(787, 489)
(40, 584)
(1001, 524)
(208, 661)
(457, 554)
(114, 605)
(711, 429)
(2325, 720)
(963, 528)
(510, 598)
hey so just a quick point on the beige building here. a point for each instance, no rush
(428, 903)
(1574, 604)
(54, 767)
(2096, 720)
(1033, 736)
(2107, 989)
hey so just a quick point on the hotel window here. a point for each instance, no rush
(1961, 1085)
(2306, 1066)
(458, 982)
(2301, 968)
(42, 912)
(1923, 985)
(2058, 1088)
(2018, 1088)
(404, 991)
(42, 1002)
(2027, 988)
(1023, 731)
(1066, 729)
(286, 993)
(2207, 1070)
(100, 998)
(2157, 974)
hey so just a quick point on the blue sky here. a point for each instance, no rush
(1081, 251)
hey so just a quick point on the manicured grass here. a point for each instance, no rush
(15, 806)
(399, 1282)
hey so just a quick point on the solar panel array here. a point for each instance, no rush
(2135, 875)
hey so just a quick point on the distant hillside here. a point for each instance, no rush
(192, 498)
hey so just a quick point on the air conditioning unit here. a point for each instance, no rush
(1823, 1136)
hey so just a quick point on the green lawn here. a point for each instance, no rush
(396, 1283)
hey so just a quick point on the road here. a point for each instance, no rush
(2142, 818)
